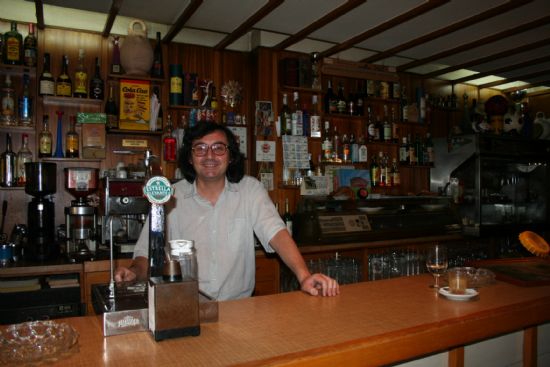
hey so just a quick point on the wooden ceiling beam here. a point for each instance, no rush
(113, 12)
(480, 42)
(503, 8)
(482, 60)
(516, 78)
(39, 6)
(421, 9)
(329, 17)
(182, 19)
(248, 24)
(502, 69)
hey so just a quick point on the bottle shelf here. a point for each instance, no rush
(132, 132)
(14, 188)
(18, 129)
(17, 69)
(70, 101)
(136, 77)
(53, 159)
(302, 89)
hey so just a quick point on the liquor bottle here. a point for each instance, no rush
(72, 140)
(430, 158)
(311, 168)
(327, 143)
(287, 218)
(378, 129)
(336, 146)
(363, 151)
(341, 100)
(315, 118)
(97, 87)
(404, 106)
(360, 100)
(13, 46)
(59, 153)
(396, 175)
(80, 77)
(7, 165)
(346, 149)
(7, 105)
(306, 127)
(353, 148)
(404, 151)
(371, 88)
(394, 126)
(382, 170)
(45, 139)
(412, 152)
(374, 172)
(286, 118)
(387, 126)
(157, 70)
(111, 110)
(30, 47)
(350, 104)
(116, 67)
(169, 142)
(371, 126)
(24, 155)
(160, 125)
(329, 98)
(63, 85)
(297, 122)
(418, 148)
(46, 83)
(25, 104)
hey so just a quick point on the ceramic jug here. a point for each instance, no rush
(136, 52)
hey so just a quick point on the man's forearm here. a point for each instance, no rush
(139, 267)
(285, 246)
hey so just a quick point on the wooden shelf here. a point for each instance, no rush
(136, 77)
(17, 69)
(18, 129)
(70, 101)
(53, 159)
(132, 132)
(15, 188)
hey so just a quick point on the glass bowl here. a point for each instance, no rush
(477, 277)
(35, 342)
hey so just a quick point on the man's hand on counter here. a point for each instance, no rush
(137, 271)
(320, 285)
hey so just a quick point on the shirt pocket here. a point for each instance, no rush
(238, 235)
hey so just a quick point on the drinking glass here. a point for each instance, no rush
(436, 262)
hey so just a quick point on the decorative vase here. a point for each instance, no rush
(136, 52)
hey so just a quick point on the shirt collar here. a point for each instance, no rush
(191, 190)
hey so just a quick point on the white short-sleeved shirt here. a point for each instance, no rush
(223, 233)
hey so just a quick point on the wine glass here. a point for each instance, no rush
(436, 262)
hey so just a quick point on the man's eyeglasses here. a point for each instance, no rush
(201, 149)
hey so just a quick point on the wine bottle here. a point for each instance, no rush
(7, 103)
(157, 70)
(13, 46)
(387, 126)
(80, 77)
(111, 110)
(63, 85)
(24, 155)
(97, 86)
(286, 117)
(330, 99)
(297, 122)
(72, 140)
(46, 83)
(287, 218)
(116, 67)
(45, 139)
(7, 165)
(315, 118)
(25, 104)
(30, 47)
(341, 100)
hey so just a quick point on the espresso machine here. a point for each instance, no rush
(122, 202)
(81, 217)
(41, 184)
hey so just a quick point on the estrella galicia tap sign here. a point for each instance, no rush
(158, 190)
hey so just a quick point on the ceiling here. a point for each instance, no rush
(489, 43)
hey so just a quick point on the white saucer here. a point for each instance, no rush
(470, 293)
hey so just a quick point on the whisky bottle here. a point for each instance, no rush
(169, 142)
(45, 139)
(13, 46)
(97, 86)
(30, 47)
(327, 143)
(7, 165)
(24, 155)
(46, 83)
(25, 104)
(72, 140)
(7, 103)
(80, 77)
(286, 117)
(63, 85)
(297, 123)
(315, 118)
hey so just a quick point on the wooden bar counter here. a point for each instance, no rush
(369, 324)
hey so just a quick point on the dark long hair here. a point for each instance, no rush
(235, 170)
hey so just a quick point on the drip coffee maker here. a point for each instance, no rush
(80, 217)
(41, 184)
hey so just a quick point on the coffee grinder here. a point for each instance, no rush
(41, 184)
(81, 217)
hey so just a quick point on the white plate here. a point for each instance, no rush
(470, 293)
